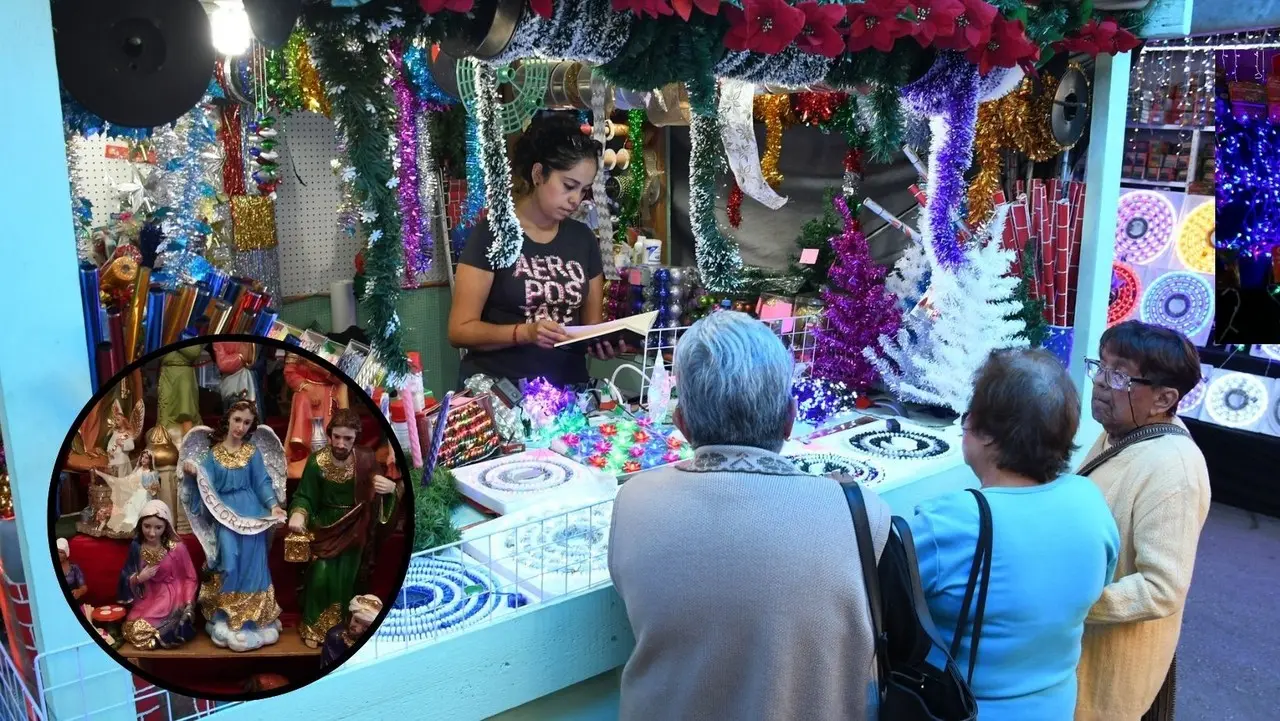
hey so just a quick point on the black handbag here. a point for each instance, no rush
(911, 687)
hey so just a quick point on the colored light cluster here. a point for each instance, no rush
(624, 446)
(1249, 179)
(818, 399)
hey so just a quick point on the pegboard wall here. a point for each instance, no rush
(313, 252)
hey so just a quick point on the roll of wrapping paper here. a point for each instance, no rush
(891, 219)
(245, 320)
(104, 361)
(216, 283)
(156, 299)
(236, 296)
(218, 317)
(90, 302)
(915, 161)
(266, 319)
(204, 296)
(179, 316)
(135, 313)
(1062, 269)
(115, 335)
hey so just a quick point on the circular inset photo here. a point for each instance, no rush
(229, 517)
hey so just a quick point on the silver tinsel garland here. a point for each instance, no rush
(585, 30)
(508, 236)
(182, 154)
(81, 208)
(791, 68)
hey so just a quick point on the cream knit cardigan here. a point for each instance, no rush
(1158, 491)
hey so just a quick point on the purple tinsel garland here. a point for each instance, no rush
(857, 310)
(948, 94)
(414, 233)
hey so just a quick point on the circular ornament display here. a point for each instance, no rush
(1126, 288)
(1191, 401)
(1179, 301)
(1236, 400)
(527, 476)
(822, 464)
(441, 595)
(900, 445)
(1195, 239)
(569, 543)
(1271, 351)
(1145, 226)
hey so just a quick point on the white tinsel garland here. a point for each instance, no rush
(531, 28)
(599, 196)
(588, 31)
(428, 192)
(508, 236)
(937, 353)
(716, 252)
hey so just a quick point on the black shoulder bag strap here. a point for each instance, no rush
(1137, 435)
(870, 578)
(979, 580)
(923, 616)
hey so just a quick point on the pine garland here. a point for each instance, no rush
(508, 236)
(1031, 310)
(355, 69)
(716, 252)
(669, 50)
(433, 509)
(816, 233)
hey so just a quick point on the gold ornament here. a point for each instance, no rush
(1195, 239)
(775, 112)
(254, 222)
(297, 547)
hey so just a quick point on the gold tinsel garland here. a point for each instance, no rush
(312, 92)
(775, 112)
(254, 218)
(1018, 121)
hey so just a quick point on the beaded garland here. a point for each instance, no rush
(822, 464)
(1236, 400)
(569, 543)
(442, 595)
(1179, 301)
(525, 476)
(1145, 226)
(900, 445)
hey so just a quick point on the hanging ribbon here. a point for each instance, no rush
(737, 101)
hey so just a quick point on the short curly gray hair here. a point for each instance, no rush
(734, 380)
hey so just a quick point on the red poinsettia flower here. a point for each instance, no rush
(972, 29)
(762, 26)
(936, 19)
(652, 8)
(1007, 47)
(819, 35)
(1100, 36)
(877, 24)
(432, 7)
(541, 8)
(684, 8)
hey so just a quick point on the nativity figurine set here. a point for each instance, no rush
(227, 486)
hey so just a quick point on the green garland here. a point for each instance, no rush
(630, 215)
(449, 140)
(433, 510)
(669, 50)
(717, 255)
(354, 66)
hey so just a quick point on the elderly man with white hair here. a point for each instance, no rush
(740, 573)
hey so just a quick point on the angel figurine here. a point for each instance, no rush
(233, 490)
(121, 439)
(129, 493)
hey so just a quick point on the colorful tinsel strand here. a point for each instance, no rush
(300, 66)
(733, 207)
(475, 176)
(413, 222)
(818, 399)
(634, 189)
(429, 93)
(1019, 121)
(948, 93)
(78, 120)
(183, 190)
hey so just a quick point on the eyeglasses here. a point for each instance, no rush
(1114, 379)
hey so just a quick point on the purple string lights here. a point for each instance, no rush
(1144, 227)
(415, 233)
(948, 94)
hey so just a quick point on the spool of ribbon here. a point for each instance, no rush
(615, 130)
(609, 158)
(624, 159)
(737, 103)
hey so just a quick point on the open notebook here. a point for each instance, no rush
(632, 329)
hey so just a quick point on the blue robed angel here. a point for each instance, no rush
(233, 489)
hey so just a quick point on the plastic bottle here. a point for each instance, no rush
(400, 424)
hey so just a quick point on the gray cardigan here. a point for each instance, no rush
(741, 581)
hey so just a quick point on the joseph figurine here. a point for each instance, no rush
(343, 502)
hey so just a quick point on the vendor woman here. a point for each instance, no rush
(509, 319)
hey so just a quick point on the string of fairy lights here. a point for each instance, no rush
(1249, 152)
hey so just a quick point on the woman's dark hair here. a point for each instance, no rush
(224, 426)
(1026, 403)
(557, 142)
(1163, 356)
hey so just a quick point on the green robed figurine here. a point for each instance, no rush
(341, 502)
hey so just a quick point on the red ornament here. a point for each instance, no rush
(853, 161)
(816, 108)
(763, 26)
(734, 205)
(877, 24)
(936, 19)
(973, 27)
(861, 402)
(1007, 47)
(819, 35)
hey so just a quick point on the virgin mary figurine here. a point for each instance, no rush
(233, 487)
(158, 583)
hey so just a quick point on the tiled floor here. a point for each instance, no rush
(1229, 654)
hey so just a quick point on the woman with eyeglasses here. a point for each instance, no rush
(1053, 544)
(1155, 480)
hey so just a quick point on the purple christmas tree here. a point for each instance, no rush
(858, 309)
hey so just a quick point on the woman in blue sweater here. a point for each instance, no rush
(1054, 543)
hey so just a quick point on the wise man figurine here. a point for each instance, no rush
(342, 503)
(364, 609)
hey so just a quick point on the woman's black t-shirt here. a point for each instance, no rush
(548, 280)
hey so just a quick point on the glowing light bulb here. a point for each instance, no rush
(229, 25)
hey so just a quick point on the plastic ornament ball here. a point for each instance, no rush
(661, 276)
(676, 275)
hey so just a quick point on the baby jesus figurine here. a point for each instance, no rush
(364, 610)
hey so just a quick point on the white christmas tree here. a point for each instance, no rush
(910, 276)
(967, 313)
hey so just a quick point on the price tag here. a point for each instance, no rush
(808, 256)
